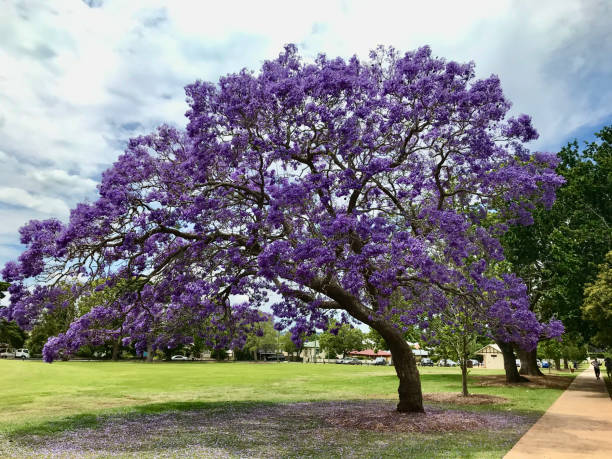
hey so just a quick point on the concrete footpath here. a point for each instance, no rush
(578, 424)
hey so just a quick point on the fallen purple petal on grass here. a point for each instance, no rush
(260, 431)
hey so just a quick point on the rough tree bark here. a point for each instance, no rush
(529, 364)
(565, 364)
(409, 390)
(115, 355)
(512, 374)
(149, 352)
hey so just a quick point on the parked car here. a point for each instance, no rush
(22, 354)
(545, 364)
(518, 362)
(475, 363)
(179, 357)
(6, 353)
(427, 362)
(379, 361)
(340, 361)
(447, 363)
(353, 361)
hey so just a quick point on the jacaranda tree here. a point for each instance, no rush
(335, 184)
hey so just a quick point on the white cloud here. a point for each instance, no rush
(61, 182)
(23, 198)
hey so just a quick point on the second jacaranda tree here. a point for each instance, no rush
(372, 191)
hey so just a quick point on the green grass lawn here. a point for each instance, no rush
(42, 398)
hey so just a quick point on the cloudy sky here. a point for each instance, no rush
(78, 78)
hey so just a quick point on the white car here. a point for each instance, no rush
(22, 354)
(7, 353)
(447, 363)
(179, 357)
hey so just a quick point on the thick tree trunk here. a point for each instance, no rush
(558, 364)
(512, 374)
(409, 390)
(565, 364)
(529, 364)
(149, 352)
(115, 355)
(524, 358)
(410, 395)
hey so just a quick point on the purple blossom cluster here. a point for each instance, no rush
(378, 189)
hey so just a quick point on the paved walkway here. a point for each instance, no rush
(578, 424)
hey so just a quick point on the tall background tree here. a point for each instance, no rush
(341, 339)
(597, 307)
(559, 253)
(338, 185)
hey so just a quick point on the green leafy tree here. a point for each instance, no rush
(551, 350)
(264, 338)
(345, 340)
(572, 348)
(558, 255)
(289, 346)
(378, 342)
(56, 319)
(597, 307)
(11, 334)
(457, 338)
(3, 288)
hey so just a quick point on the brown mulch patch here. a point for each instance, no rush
(541, 382)
(382, 417)
(458, 399)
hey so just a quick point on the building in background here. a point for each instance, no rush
(492, 357)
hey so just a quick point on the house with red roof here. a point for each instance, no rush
(370, 354)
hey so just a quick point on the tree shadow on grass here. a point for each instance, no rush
(438, 382)
(94, 420)
(261, 429)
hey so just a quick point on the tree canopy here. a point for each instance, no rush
(11, 334)
(335, 184)
(560, 253)
(341, 339)
(597, 305)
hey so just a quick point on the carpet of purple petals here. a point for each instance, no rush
(319, 429)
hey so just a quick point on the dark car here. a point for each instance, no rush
(353, 361)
